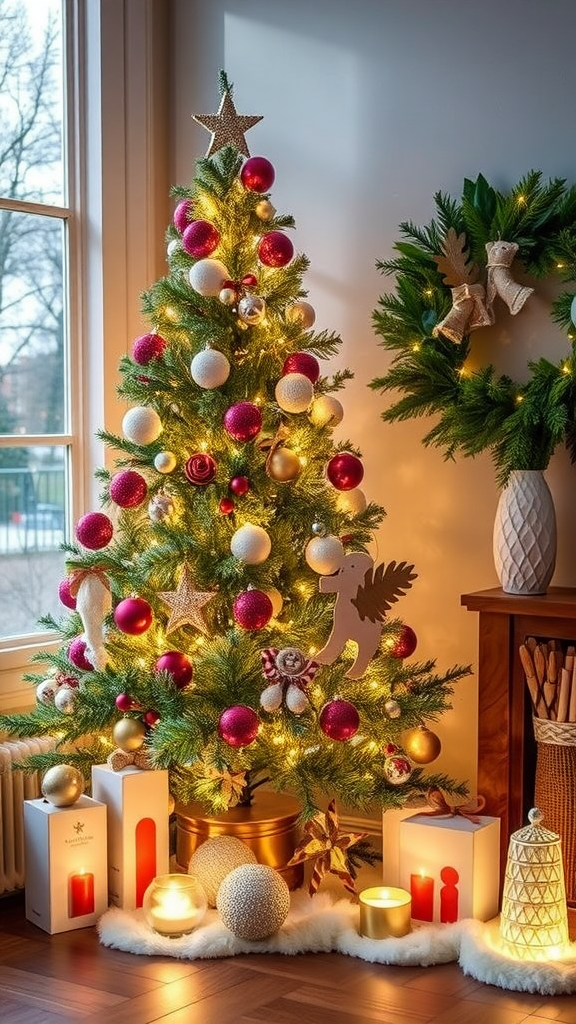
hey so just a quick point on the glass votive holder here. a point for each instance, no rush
(385, 912)
(174, 905)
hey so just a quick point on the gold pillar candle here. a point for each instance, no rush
(385, 912)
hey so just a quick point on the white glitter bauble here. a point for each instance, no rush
(46, 691)
(276, 599)
(215, 859)
(165, 462)
(324, 554)
(294, 392)
(326, 411)
(253, 901)
(142, 425)
(351, 502)
(173, 246)
(251, 544)
(210, 369)
(207, 277)
(302, 313)
(65, 699)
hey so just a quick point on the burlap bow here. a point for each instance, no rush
(77, 576)
(440, 808)
(120, 759)
(468, 312)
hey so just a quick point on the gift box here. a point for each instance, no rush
(137, 806)
(66, 871)
(451, 866)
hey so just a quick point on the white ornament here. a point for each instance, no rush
(253, 901)
(165, 462)
(294, 392)
(326, 411)
(352, 502)
(324, 554)
(265, 210)
(160, 508)
(302, 313)
(46, 691)
(276, 599)
(271, 697)
(210, 368)
(252, 309)
(214, 859)
(207, 277)
(251, 544)
(142, 425)
(296, 700)
(173, 246)
(227, 296)
(65, 699)
(93, 604)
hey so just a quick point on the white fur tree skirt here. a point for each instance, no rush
(319, 925)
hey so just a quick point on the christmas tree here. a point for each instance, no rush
(222, 615)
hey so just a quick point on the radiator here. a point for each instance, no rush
(15, 787)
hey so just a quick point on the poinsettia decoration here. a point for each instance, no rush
(323, 843)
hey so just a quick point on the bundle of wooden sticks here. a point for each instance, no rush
(551, 678)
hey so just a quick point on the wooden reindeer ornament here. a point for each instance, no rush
(363, 596)
(469, 310)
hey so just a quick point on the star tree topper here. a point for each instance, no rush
(227, 126)
(187, 603)
(323, 843)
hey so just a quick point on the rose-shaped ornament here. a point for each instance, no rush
(200, 469)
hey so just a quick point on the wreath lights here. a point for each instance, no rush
(458, 274)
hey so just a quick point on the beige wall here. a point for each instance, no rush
(369, 108)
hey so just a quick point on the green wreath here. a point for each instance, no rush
(456, 275)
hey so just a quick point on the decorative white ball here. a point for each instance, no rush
(207, 277)
(173, 246)
(302, 313)
(251, 544)
(294, 392)
(165, 462)
(326, 411)
(46, 691)
(351, 502)
(324, 554)
(210, 368)
(142, 425)
(65, 699)
(215, 859)
(253, 901)
(227, 296)
(276, 599)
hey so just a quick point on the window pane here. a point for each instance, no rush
(31, 325)
(31, 105)
(33, 486)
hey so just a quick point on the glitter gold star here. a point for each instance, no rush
(227, 126)
(186, 603)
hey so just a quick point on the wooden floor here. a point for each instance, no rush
(70, 977)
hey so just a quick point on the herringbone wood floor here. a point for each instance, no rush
(69, 978)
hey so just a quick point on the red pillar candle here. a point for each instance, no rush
(422, 892)
(81, 894)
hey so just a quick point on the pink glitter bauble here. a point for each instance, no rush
(77, 655)
(128, 488)
(243, 421)
(94, 530)
(238, 725)
(177, 665)
(133, 615)
(257, 174)
(148, 347)
(302, 362)
(183, 214)
(345, 471)
(252, 609)
(339, 719)
(64, 593)
(275, 249)
(406, 643)
(200, 239)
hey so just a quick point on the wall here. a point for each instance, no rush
(369, 109)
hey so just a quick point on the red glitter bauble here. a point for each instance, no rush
(345, 471)
(133, 615)
(151, 717)
(200, 469)
(252, 609)
(177, 665)
(148, 347)
(257, 174)
(77, 654)
(275, 249)
(339, 719)
(226, 506)
(243, 421)
(200, 239)
(128, 488)
(183, 213)
(94, 530)
(406, 643)
(238, 725)
(239, 485)
(302, 362)
(124, 702)
(64, 593)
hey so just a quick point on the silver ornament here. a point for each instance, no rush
(65, 699)
(46, 691)
(252, 309)
(160, 508)
(392, 709)
(227, 296)
(319, 529)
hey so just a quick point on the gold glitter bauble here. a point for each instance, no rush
(421, 745)
(283, 465)
(129, 734)
(62, 785)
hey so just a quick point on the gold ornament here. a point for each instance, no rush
(227, 126)
(283, 465)
(129, 734)
(421, 745)
(326, 846)
(62, 785)
(186, 603)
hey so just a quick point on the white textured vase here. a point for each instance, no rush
(525, 534)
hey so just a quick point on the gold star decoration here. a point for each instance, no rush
(323, 843)
(227, 126)
(186, 603)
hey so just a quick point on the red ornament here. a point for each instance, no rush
(94, 530)
(183, 214)
(177, 665)
(302, 362)
(252, 609)
(257, 174)
(339, 719)
(146, 348)
(275, 249)
(128, 489)
(124, 702)
(200, 469)
(238, 725)
(243, 421)
(133, 615)
(151, 717)
(249, 281)
(226, 506)
(77, 655)
(406, 643)
(239, 485)
(64, 593)
(345, 471)
(200, 239)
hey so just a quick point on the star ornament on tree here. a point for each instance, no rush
(323, 843)
(227, 126)
(187, 603)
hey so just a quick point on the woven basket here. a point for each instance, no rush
(555, 789)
